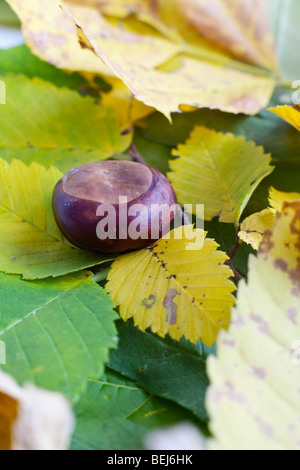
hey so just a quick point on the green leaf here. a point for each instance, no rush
(153, 153)
(219, 171)
(163, 367)
(115, 414)
(57, 332)
(30, 241)
(63, 159)
(60, 120)
(21, 60)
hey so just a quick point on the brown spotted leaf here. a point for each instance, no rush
(175, 287)
(240, 27)
(254, 399)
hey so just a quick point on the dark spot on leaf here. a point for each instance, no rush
(171, 306)
(13, 258)
(281, 264)
(148, 303)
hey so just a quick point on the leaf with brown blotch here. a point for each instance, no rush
(241, 28)
(141, 50)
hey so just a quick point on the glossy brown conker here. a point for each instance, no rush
(92, 189)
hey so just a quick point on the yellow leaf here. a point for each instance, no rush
(175, 289)
(289, 113)
(219, 171)
(134, 59)
(33, 419)
(127, 108)
(52, 36)
(242, 27)
(277, 198)
(134, 47)
(254, 399)
(30, 241)
(253, 228)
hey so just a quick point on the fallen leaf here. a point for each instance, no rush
(289, 113)
(219, 171)
(57, 333)
(242, 28)
(127, 108)
(32, 418)
(175, 290)
(52, 36)
(135, 62)
(278, 198)
(254, 380)
(64, 128)
(252, 229)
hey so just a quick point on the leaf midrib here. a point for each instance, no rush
(33, 312)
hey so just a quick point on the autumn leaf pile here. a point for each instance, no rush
(128, 344)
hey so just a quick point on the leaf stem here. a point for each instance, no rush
(237, 277)
(135, 154)
(101, 275)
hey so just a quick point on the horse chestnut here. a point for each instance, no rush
(114, 206)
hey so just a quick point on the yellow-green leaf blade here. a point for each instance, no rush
(219, 171)
(254, 400)
(39, 115)
(30, 241)
(241, 92)
(252, 229)
(173, 289)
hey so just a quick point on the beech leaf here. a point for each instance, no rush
(57, 332)
(219, 171)
(175, 290)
